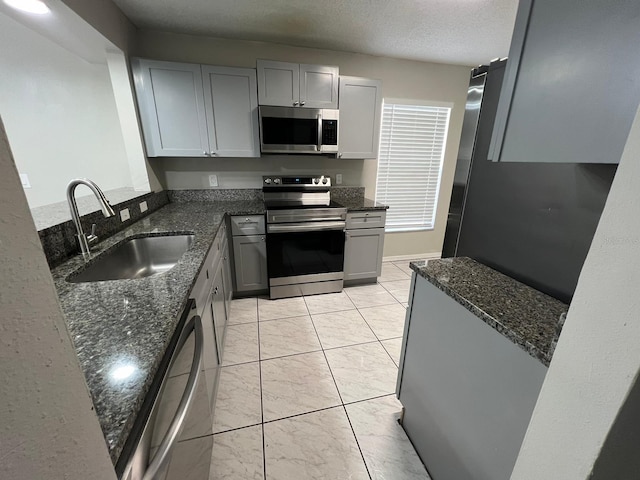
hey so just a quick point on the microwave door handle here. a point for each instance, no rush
(171, 437)
(319, 118)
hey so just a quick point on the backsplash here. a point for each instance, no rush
(347, 194)
(214, 195)
(59, 241)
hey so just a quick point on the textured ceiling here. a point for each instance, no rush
(465, 32)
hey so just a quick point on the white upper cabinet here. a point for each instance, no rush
(190, 110)
(284, 84)
(360, 110)
(318, 86)
(231, 106)
(278, 83)
(171, 102)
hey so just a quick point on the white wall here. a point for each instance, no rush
(598, 356)
(60, 115)
(401, 79)
(48, 428)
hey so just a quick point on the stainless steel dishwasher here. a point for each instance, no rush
(176, 420)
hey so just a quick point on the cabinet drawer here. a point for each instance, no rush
(248, 225)
(371, 219)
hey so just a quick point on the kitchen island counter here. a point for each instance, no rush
(126, 325)
(522, 314)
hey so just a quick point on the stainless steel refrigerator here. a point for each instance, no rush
(475, 98)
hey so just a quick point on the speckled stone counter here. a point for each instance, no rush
(525, 316)
(361, 204)
(131, 322)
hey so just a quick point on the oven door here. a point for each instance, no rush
(305, 258)
(290, 130)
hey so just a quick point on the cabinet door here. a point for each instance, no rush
(250, 256)
(171, 105)
(278, 83)
(570, 90)
(318, 86)
(363, 253)
(231, 106)
(360, 109)
(226, 278)
(219, 312)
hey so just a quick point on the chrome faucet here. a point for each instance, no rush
(86, 241)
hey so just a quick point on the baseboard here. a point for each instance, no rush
(415, 256)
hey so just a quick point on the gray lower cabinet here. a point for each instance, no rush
(226, 276)
(363, 253)
(364, 243)
(467, 391)
(219, 310)
(250, 258)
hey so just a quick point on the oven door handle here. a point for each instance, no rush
(306, 227)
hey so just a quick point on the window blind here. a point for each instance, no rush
(412, 141)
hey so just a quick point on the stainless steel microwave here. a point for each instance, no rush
(298, 130)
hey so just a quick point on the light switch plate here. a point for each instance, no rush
(143, 207)
(124, 215)
(25, 180)
(213, 180)
(338, 179)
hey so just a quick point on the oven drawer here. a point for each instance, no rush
(370, 219)
(247, 225)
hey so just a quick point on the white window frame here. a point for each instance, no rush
(425, 103)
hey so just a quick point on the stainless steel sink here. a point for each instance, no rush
(136, 258)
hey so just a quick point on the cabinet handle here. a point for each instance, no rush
(215, 291)
(205, 153)
(339, 155)
(295, 104)
(214, 154)
(262, 238)
(302, 103)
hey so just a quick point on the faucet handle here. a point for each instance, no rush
(92, 238)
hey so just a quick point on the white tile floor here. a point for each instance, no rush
(307, 387)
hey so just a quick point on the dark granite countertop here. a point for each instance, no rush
(361, 204)
(524, 315)
(129, 323)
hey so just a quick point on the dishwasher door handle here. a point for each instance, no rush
(171, 437)
(305, 227)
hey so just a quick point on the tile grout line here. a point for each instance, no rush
(357, 442)
(264, 449)
(340, 395)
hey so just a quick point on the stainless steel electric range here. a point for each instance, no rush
(305, 236)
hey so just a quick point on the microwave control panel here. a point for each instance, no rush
(329, 132)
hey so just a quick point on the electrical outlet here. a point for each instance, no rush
(338, 179)
(143, 207)
(213, 180)
(25, 180)
(124, 215)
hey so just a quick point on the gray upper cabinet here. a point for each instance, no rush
(278, 83)
(171, 103)
(297, 85)
(190, 110)
(231, 107)
(360, 110)
(571, 86)
(318, 86)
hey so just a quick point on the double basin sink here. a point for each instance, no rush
(136, 258)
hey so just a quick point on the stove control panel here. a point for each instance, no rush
(294, 180)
